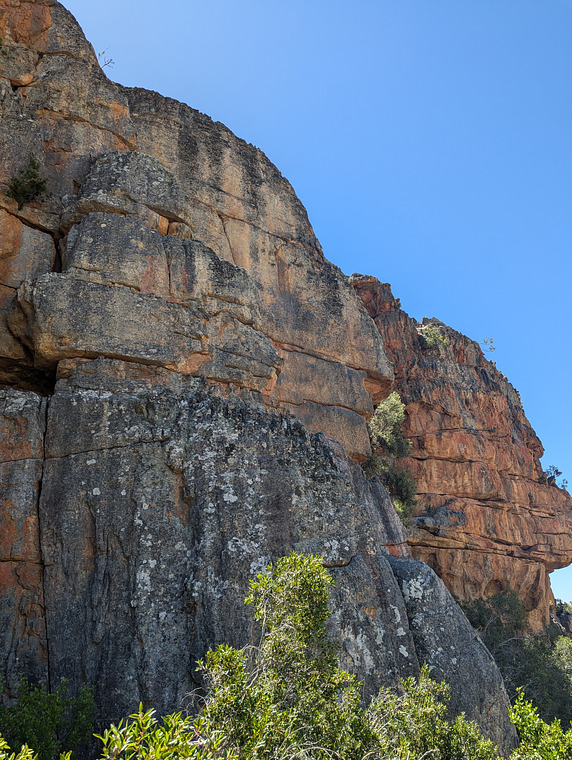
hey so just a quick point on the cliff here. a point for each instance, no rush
(185, 387)
(487, 521)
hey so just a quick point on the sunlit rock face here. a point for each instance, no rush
(486, 521)
(149, 160)
(185, 382)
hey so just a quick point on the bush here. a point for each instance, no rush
(540, 664)
(389, 445)
(499, 618)
(385, 427)
(562, 606)
(287, 698)
(28, 185)
(539, 740)
(433, 338)
(50, 723)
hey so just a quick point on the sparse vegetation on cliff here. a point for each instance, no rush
(28, 184)
(389, 445)
(432, 337)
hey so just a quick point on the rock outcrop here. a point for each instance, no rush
(187, 178)
(486, 520)
(161, 495)
(185, 384)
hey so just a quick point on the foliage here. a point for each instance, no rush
(50, 723)
(105, 60)
(432, 337)
(288, 699)
(25, 752)
(385, 427)
(291, 699)
(389, 444)
(539, 740)
(174, 738)
(499, 618)
(402, 486)
(562, 606)
(540, 664)
(488, 346)
(28, 184)
(551, 474)
(414, 724)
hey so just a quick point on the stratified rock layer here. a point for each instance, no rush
(486, 523)
(189, 180)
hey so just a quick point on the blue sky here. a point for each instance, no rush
(431, 143)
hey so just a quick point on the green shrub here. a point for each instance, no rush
(541, 664)
(25, 752)
(432, 337)
(385, 427)
(499, 618)
(539, 740)
(50, 723)
(389, 445)
(173, 738)
(562, 606)
(291, 699)
(287, 698)
(28, 184)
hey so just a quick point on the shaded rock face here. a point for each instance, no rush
(163, 309)
(161, 496)
(486, 524)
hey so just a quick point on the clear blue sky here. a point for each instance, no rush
(431, 143)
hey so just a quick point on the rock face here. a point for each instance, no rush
(486, 523)
(165, 314)
(161, 165)
(161, 495)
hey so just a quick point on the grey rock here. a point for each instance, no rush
(447, 642)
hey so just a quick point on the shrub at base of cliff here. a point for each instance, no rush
(287, 698)
(541, 664)
(389, 445)
(50, 723)
(539, 740)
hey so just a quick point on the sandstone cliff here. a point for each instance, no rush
(486, 523)
(165, 314)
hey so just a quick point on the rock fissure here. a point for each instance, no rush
(69, 116)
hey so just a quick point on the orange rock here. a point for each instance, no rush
(484, 522)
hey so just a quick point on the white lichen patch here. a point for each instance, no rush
(396, 613)
(413, 589)
(403, 651)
